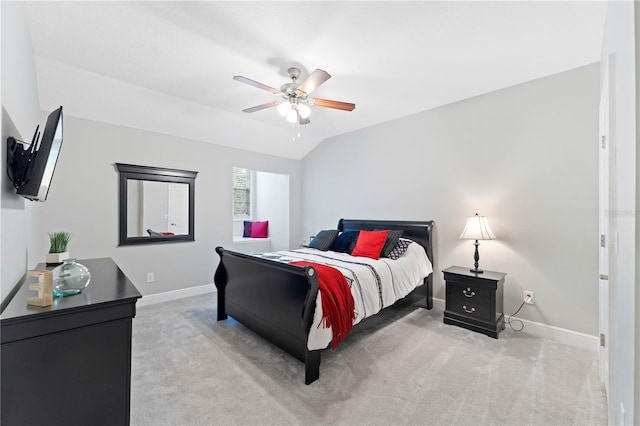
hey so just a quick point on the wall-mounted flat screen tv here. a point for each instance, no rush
(36, 176)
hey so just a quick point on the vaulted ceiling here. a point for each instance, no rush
(167, 67)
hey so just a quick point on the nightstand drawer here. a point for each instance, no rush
(471, 310)
(459, 294)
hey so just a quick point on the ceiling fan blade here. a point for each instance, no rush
(312, 82)
(263, 106)
(326, 103)
(255, 84)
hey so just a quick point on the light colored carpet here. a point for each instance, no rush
(189, 369)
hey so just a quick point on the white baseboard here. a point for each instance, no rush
(537, 329)
(570, 337)
(152, 299)
(438, 304)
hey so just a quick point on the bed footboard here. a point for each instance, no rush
(276, 300)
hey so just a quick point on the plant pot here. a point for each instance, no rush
(57, 258)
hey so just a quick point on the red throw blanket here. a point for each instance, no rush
(338, 310)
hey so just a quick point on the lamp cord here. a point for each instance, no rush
(510, 320)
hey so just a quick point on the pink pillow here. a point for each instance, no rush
(260, 229)
(370, 244)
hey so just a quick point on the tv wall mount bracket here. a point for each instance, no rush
(19, 161)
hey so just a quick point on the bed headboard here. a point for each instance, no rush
(420, 232)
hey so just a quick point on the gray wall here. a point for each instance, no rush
(525, 157)
(19, 219)
(84, 199)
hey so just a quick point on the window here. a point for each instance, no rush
(260, 196)
(242, 193)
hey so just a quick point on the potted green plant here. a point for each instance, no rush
(58, 249)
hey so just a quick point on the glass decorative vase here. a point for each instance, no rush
(70, 278)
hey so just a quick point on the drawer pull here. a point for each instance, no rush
(469, 311)
(468, 292)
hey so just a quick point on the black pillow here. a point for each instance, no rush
(324, 239)
(399, 249)
(346, 241)
(392, 239)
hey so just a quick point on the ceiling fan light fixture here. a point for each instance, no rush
(292, 116)
(284, 108)
(304, 111)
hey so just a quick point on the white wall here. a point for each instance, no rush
(525, 157)
(272, 204)
(19, 87)
(619, 50)
(155, 200)
(21, 248)
(83, 199)
(134, 222)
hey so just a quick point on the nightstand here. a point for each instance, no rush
(474, 301)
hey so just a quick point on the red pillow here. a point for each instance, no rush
(260, 229)
(370, 244)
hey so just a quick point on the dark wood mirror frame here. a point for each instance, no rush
(130, 171)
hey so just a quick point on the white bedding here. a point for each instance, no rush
(375, 284)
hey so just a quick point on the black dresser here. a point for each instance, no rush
(474, 301)
(70, 363)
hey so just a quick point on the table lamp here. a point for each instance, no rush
(477, 228)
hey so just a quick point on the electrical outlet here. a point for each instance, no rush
(150, 277)
(531, 299)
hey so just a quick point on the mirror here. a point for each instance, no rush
(156, 204)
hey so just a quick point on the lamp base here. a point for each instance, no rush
(476, 271)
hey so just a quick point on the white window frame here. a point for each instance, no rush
(252, 196)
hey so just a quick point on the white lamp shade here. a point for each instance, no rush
(284, 108)
(304, 111)
(477, 228)
(292, 116)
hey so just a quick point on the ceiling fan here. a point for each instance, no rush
(296, 99)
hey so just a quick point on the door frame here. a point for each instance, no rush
(606, 245)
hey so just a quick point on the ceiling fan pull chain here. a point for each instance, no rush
(295, 131)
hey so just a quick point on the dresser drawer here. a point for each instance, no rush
(460, 293)
(471, 310)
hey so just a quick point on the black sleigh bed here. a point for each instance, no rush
(277, 300)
